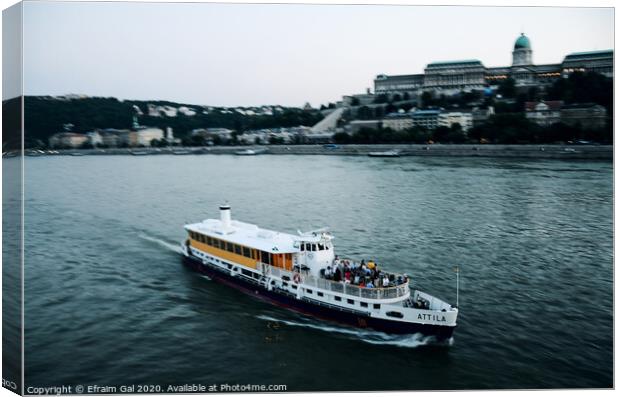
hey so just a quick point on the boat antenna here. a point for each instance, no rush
(457, 271)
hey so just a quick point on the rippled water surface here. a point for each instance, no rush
(108, 301)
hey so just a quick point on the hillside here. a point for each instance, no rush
(45, 116)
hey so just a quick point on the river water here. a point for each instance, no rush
(108, 302)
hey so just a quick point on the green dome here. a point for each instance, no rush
(523, 42)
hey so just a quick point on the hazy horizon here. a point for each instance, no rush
(277, 54)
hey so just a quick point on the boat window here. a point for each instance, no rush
(265, 257)
(302, 246)
(246, 252)
(350, 301)
(337, 298)
(395, 314)
(209, 241)
(376, 306)
(308, 247)
(319, 293)
(216, 243)
(246, 273)
(309, 291)
(363, 304)
(229, 247)
(284, 284)
(237, 249)
(313, 247)
(202, 238)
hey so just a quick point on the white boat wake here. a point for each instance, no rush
(368, 336)
(176, 248)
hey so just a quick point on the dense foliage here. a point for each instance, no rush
(11, 124)
(507, 128)
(45, 116)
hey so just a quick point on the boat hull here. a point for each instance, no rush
(342, 316)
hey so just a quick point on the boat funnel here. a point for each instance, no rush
(225, 216)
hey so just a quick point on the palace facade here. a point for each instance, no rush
(467, 75)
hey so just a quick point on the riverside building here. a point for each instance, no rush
(468, 75)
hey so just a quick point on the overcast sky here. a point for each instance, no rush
(232, 54)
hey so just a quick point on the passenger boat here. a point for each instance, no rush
(387, 153)
(298, 272)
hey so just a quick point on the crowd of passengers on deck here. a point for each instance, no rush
(365, 275)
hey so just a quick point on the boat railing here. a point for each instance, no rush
(340, 287)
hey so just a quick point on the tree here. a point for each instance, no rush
(381, 98)
(390, 108)
(341, 137)
(584, 87)
(507, 88)
(364, 113)
(276, 140)
(379, 112)
(426, 99)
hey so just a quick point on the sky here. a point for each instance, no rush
(286, 54)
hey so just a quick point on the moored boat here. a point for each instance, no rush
(387, 153)
(248, 152)
(301, 272)
(181, 152)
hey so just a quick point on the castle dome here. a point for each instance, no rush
(523, 42)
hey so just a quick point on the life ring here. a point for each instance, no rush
(296, 278)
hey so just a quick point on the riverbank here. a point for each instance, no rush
(589, 152)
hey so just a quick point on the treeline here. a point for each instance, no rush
(500, 129)
(45, 116)
(11, 124)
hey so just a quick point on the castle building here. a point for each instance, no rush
(468, 75)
